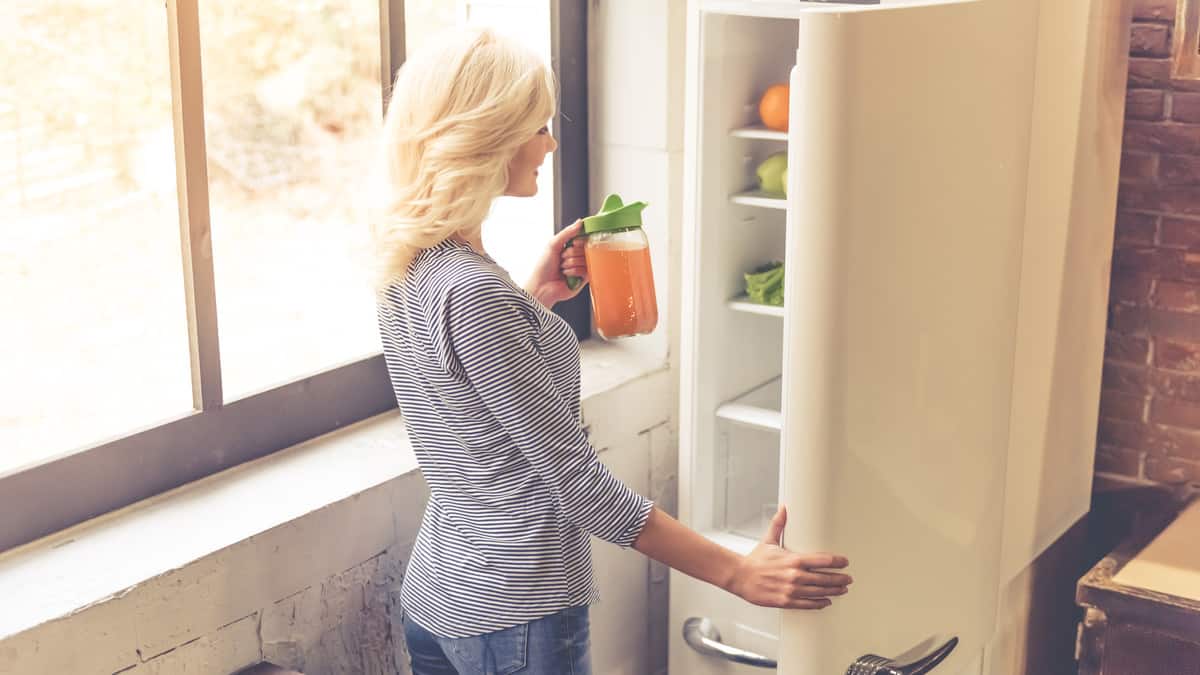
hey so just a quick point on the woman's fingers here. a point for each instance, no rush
(799, 592)
(822, 561)
(824, 579)
(574, 262)
(809, 604)
(573, 230)
(774, 577)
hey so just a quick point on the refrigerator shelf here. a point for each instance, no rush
(743, 304)
(760, 132)
(759, 407)
(759, 198)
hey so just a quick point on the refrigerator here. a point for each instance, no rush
(925, 400)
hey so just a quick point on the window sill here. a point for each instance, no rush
(105, 558)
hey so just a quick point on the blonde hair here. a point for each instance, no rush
(460, 109)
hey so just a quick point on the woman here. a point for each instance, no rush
(488, 381)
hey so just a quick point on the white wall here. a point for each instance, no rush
(635, 124)
(635, 98)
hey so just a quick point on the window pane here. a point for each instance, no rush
(519, 227)
(95, 343)
(292, 114)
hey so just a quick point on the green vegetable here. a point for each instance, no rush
(765, 284)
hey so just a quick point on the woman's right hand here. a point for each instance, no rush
(772, 576)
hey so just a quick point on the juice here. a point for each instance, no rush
(623, 300)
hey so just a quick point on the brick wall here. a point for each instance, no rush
(1150, 404)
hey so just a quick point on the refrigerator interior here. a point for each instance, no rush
(732, 380)
(738, 344)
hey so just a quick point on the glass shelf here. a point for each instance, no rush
(742, 303)
(766, 200)
(758, 407)
(758, 131)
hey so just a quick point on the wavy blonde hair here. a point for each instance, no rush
(460, 109)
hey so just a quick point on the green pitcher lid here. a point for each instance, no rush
(614, 216)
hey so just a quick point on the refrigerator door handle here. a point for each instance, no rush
(922, 660)
(700, 634)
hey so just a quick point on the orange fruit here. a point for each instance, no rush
(773, 107)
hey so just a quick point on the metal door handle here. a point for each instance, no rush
(916, 661)
(702, 635)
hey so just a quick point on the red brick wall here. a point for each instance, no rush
(1150, 403)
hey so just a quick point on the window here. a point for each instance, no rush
(292, 113)
(178, 243)
(89, 242)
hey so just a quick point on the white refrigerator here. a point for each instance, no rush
(925, 400)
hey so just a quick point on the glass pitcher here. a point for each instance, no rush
(618, 260)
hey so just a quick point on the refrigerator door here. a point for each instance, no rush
(908, 158)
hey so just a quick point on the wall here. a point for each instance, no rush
(635, 125)
(635, 101)
(1150, 409)
(1147, 430)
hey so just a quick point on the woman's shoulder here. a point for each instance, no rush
(453, 276)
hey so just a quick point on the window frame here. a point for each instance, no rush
(569, 58)
(78, 485)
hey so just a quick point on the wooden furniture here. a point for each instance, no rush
(1142, 603)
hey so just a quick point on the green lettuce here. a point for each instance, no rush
(765, 284)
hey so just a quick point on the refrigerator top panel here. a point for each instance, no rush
(792, 9)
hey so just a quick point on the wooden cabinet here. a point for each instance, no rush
(1142, 604)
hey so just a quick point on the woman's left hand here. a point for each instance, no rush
(548, 283)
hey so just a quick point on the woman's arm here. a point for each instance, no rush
(769, 576)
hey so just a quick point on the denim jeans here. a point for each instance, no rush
(553, 645)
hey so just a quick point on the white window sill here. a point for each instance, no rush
(104, 558)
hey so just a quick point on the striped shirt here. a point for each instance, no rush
(488, 383)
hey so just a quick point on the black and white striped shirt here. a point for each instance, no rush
(488, 382)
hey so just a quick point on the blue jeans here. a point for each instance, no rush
(553, 645)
